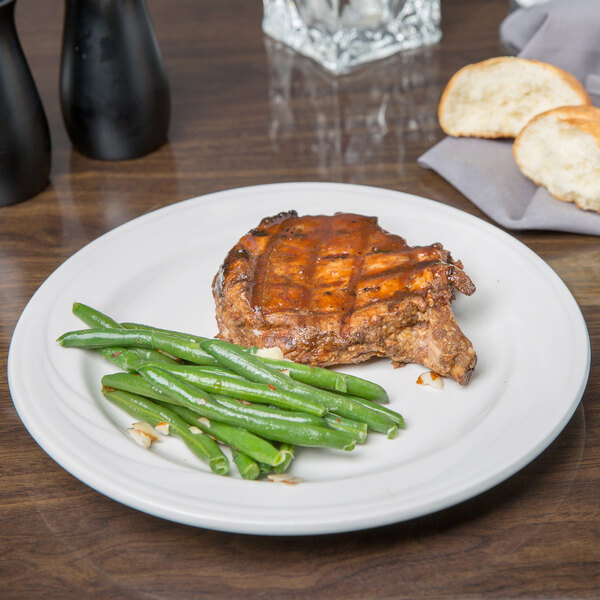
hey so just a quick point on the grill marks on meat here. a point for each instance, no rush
(339, 289)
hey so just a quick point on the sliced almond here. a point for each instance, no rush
(140, 437)
(431, 379)
(147, 429)
(284, 478)
(195, 430)
(204, 421)
(274, 352)
(163, 427)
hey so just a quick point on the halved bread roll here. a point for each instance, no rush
(497, 97)
(560, 150)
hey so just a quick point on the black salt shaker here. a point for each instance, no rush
(25, 150)
(113, 87)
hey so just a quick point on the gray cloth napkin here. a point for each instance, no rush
(565, 33)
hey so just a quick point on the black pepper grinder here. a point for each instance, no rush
(113, 87)
(24, 135)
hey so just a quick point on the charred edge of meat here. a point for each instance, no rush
(275, 219)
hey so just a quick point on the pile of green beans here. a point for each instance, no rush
(214, 394)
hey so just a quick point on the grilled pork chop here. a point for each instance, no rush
(339, 289)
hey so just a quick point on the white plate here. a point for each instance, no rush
(528, 331)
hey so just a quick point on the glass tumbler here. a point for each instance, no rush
(343, 34)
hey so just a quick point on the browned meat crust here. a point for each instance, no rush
(339, 289)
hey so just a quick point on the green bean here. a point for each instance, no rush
(384, 411)
(268, 412)
(246, 390)
(135, 384)
(138, 385)
(122, 357)
(177, 346)
(289, 451)
(148, 411)
(137, 338)
(130, 359)
(355, 428)
(155, 356)
(238, 360)
(363, 388)
(187, 336)
(323, 378)
(346, 406)
(329, 379)
(247, 467)
(213, 371)
(192, 397)
(243, 363)
(265, 469)
(94, 318)
(377, 417)
(250, 444)
(248, 365)
(231, 394)
(317, 376)
(103, 337)
(233, 357)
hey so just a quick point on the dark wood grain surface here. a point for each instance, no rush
(246, 111)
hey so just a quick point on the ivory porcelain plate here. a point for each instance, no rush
(527, 329)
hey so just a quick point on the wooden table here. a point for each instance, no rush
(248, 112)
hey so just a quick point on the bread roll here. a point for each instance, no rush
(497, 97)
(560, 150)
